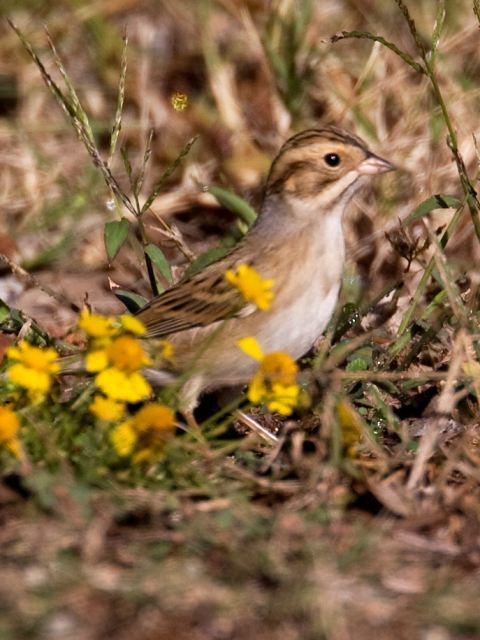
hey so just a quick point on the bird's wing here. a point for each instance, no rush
(196, 302)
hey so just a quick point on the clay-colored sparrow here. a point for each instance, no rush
(297, 242)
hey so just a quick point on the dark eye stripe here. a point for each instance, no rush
(289, 170)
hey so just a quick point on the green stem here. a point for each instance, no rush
(148, 261)
(426, 275)
(467, 187)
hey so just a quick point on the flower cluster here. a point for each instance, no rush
(251, 285)
(274, 383)
(31, 371)
(116, 356)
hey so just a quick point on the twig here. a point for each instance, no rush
(253, 425)
(19, 271)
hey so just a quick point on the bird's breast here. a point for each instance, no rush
(304, 308)
(307, 277)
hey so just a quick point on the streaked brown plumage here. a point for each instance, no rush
(297, 241)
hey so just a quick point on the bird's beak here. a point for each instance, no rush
(374, 165)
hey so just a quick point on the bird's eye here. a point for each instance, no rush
(332, 159)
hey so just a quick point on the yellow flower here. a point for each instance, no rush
(123, 438)
(35, 357)
(107, 409)
(122, 386)
(34, 368)
(251, 285)
(126, 353)
(154, 416)
(179, 101)
(144, 435)
(117, 368)
(351, 427)
(9, 426)
(96, 360)
(274, 382)
(283, 399)
(133, 325)
(96, 326)
(279, 368)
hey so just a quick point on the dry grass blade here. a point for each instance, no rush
(33, 281)
(117, 123)
(365, 35)
(476, 8)
(72, 99)
(79, 120)
(412, 27)
(138, 183)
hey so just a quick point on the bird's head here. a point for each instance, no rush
(321, 169)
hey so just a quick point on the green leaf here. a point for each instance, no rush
(235, 204)
(210, 256)
(158, 258)
(132, 301)
(357, 364)
(438, 201)
(4, 311)
(115, 234)
(349, 317)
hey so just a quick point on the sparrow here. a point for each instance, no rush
(297, 243)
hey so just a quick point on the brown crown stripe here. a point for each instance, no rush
(328, 133)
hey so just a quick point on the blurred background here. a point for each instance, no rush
(260, 544)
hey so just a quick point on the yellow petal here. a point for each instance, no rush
(132, 324)
(256, 389)
(13, 353)
(14, 447)
(9, 424)
(122, 386)
(123, 439)
(29, 378)
(231, 277)
(96, 326)
(283, 399)
(96, 360)
(106, 409)
(250, 346)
